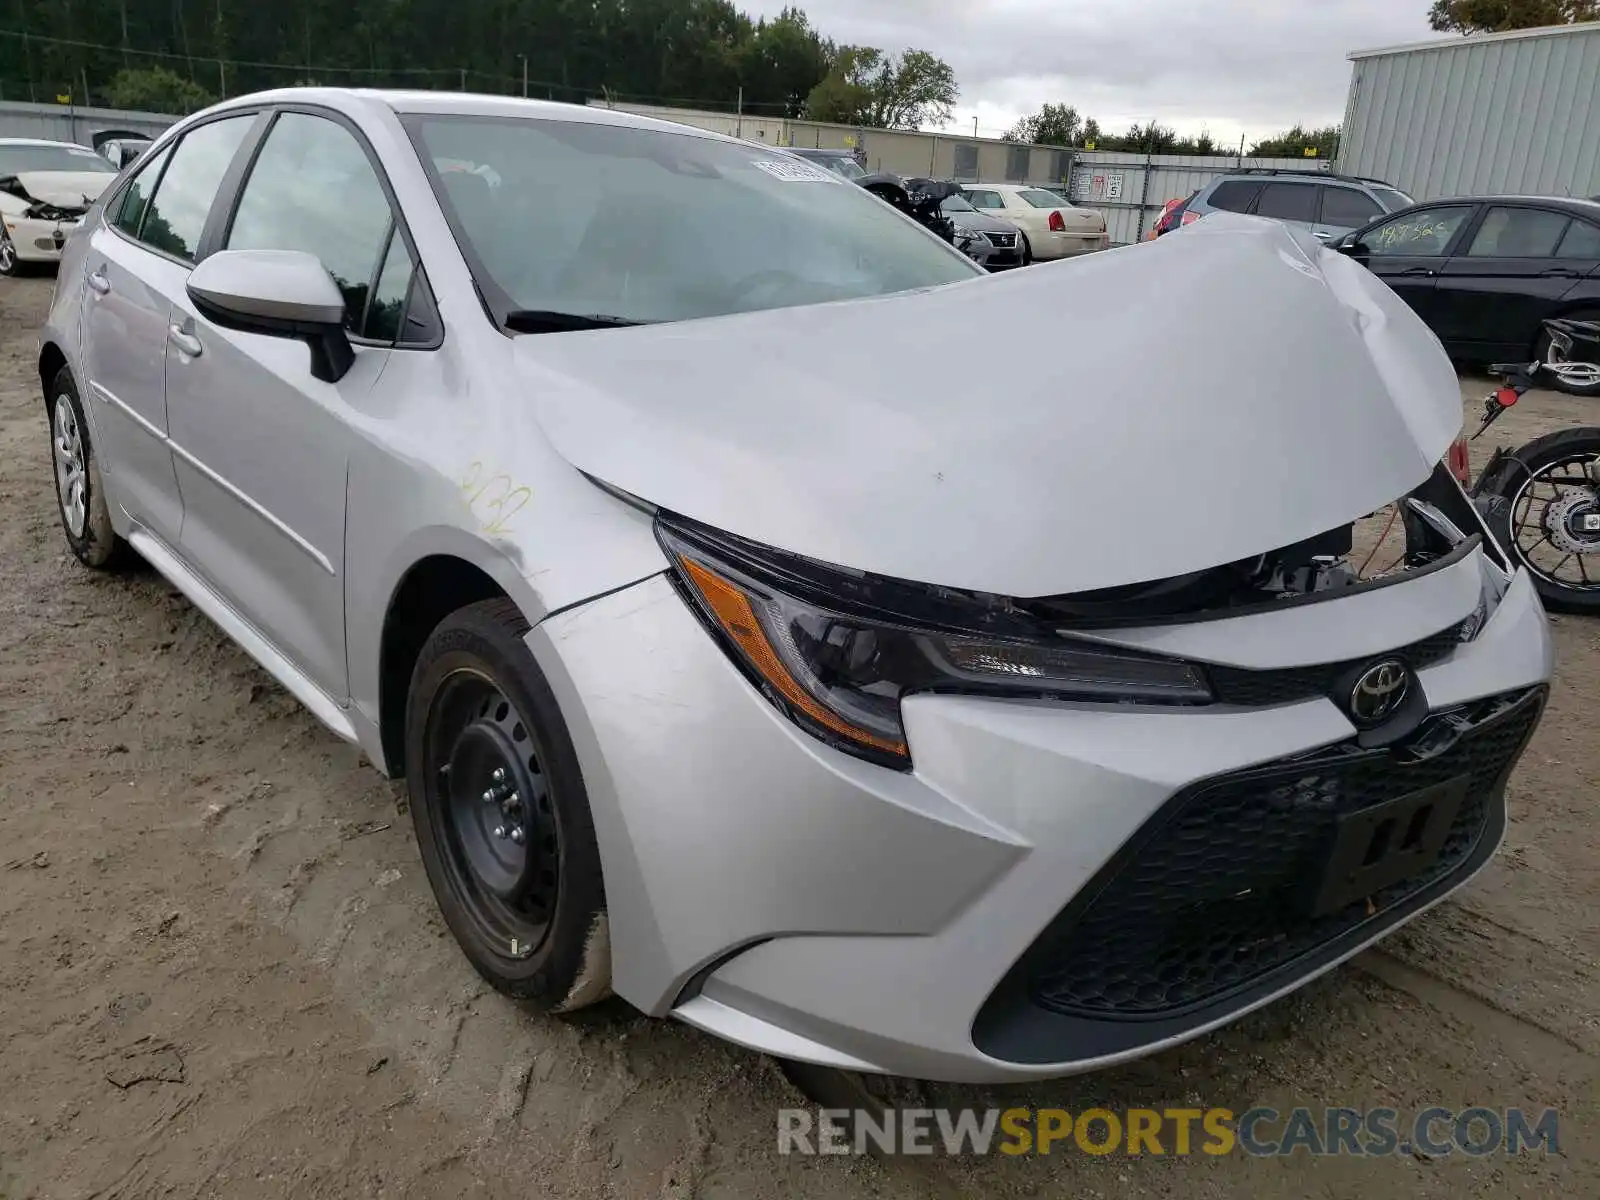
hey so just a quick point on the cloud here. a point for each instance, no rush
(1234, 66)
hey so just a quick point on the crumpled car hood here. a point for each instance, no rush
(1225, 391)
(66, 189)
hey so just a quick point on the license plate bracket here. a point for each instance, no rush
(1389, 842)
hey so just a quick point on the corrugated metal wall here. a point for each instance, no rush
(1131, 190)
(64, 123)
(1506, 113)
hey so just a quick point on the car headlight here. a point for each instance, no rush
(836, 650)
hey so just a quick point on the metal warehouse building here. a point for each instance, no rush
(1511, 112)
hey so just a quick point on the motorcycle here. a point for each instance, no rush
(918, 199)
(1542, 500)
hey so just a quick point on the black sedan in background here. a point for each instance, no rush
(1483, 272)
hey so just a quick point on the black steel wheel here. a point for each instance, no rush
(502, 819)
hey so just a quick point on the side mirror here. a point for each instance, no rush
(1348, 245)
(280, 293)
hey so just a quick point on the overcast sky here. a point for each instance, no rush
(1250, 67)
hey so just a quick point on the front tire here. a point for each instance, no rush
(1548, 494)
(501, 814)
(1546, 351)
(80, 497)
(1027, 250)
(10, 265)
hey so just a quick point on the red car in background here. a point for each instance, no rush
(1174, 215)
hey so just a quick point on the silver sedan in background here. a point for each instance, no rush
(886, 714)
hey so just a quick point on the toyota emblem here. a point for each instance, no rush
(1379, 692)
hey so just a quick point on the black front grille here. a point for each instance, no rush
(1216, 891)
(1004, 240)
(1256, 689)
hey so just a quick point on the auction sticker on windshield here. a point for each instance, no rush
(795, 172)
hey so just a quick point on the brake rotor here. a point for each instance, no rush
(1572, 523)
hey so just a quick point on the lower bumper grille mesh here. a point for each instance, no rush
(1217, 893)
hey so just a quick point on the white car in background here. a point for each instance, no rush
(1051, 227)
(45, 188)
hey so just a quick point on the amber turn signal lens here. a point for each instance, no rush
(731, 608)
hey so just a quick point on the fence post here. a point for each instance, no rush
(1144, 190)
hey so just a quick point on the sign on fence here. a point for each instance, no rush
(1105, 186)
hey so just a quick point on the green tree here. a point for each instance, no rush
(1052, 125)
(914, 90)
(1293, 143)
(844, 96)
(1495, 16)
(868, 87)
(157, 90)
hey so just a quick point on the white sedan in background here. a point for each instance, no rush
(45, 188)
(1051, 227)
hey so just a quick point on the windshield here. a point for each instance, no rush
(957, 204)
(604, 220)
(1040, 198)
(1392, 199)
(15, 158)
(848, 167)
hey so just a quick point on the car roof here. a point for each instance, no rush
(355, 100)
(1576, 205)
(41, 142)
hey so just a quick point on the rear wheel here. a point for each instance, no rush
(8, 256)
(1550, 518)
(501, 815)
(1548, 350)
(80, 498)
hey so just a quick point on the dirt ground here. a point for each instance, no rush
(221, 973)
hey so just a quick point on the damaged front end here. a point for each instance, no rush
(837, 650)
(1432, 526)
(43, 210)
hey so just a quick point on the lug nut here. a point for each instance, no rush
(513, 801)
(499, 775)
(516, 834)
(499, 831)
(488, 797)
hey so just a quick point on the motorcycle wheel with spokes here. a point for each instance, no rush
(1550, 519)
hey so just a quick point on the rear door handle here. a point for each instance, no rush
(1418, 271)
(99, 282)
(186, 343)
(1562, 273)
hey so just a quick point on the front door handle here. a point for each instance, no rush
(186, 343)
(1562, 273)
(1418, 271)
(99, 282)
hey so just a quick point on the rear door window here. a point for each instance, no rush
(1235, 195)
(1348, 208)
(1288, 202)
(1582, 240)
(176, 215)
(136, 196)
(1518, 233)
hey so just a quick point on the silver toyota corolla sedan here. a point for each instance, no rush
(752, 651)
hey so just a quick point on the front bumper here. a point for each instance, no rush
(39, 241)
(798, 901)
